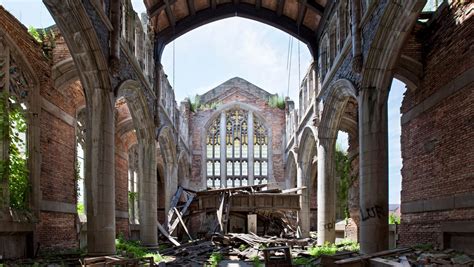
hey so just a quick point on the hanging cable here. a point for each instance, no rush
(174, 65)
(299, 65)
(289, 65)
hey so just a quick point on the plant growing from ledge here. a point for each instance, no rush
(276, 101)
(214, 259)
(343, 167)
(393, 219)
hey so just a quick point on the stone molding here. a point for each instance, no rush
(57, 112)
(458, 201)
(460, 82)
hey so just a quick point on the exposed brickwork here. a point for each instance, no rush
(437, 147)
(122, 227)
(54, 233)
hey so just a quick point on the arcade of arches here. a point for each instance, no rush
(100, 144)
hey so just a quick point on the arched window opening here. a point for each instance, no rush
(14, 145)
(246, 141)
(80, 161)
(133, 203)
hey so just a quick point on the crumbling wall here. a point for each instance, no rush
(437, 129)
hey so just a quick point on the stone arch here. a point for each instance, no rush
(64, 73)
(139, 109)
(409, 71)
(143, 124)
(240, 105)
(334, 103)
(306, 169)
(167, 143)
(395, 22)
(291, 170)
(84, 45)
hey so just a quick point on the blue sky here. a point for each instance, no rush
(216, 52)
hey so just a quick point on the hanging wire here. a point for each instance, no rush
(174, 65)
(290, 52)
(299, 65)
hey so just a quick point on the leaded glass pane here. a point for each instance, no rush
(264, 151)
(209, 151)
(209, 168)
(217, 168)
(256, 168)
(244, 168)
(264, 168)
(229, 169)
(237, 148)
(244, 151)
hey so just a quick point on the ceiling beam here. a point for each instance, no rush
(311, 4)
(169, 13)
(213, 4)
(191, 7)
(281, 5)
(158, 7)
(301, 12)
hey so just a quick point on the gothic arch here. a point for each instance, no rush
(183, 169)
(64, 73)
(334, 103)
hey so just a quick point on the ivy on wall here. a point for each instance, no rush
(343, 167)
(13, 130)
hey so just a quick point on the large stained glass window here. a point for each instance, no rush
(234, 126)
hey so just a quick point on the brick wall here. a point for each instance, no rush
(55, 231)
(437, 147)
(238, 90)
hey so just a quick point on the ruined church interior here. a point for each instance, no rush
(101, 163)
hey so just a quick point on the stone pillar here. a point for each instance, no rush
(223, 150)
(303, 216)
(250, 148)
(373, 183)
(148, 193)
(4, 143)
(100, 173)
(326, 192)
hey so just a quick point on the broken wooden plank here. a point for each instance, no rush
(170, 238)
(174, 202)
(183, 224)
(220, 212)
(292, 190)
(182, 212)
(373, 255)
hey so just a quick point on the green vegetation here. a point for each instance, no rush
(35, 34)
(277, 102)
(256, 262)
(243, 247)
(423, 247)
(343, 167)
(393, 219)
(133, 249)
(18, 174)
(327, 249)
(80, 208)
(196, 105)
(132, 196)
(214, 259)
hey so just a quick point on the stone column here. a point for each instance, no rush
(373, 150)
(223, 150)
(250, 148)
(148, 193)
(100, 173)
(303, 216)
(326, 192)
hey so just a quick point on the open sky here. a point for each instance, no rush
(217, 52)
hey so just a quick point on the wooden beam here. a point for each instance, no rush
(169, 13)
(158, 7)
(301, 12)
(311, 4)
(213, 4)
(170, 238)
(183, 224)
(191, 7)
(281, 5)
